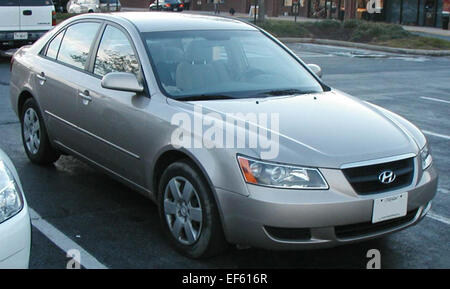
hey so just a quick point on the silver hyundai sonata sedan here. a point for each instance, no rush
(235, 138)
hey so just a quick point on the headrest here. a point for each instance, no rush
(199, 52)
(173, 55)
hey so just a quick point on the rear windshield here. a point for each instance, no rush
(36, 2)
(26, 2)
(9, 2)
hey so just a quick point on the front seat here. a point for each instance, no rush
(197, 72)
(167, 67)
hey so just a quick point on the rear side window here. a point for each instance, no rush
(115, 54)
(53, 47)
(36, 2)
(77, 41)
(9, 3)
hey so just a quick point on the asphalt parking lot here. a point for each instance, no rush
(119, 228)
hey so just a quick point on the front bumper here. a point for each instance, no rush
(7, 38)
(295, 219)
(15, 240)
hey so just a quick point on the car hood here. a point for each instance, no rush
(329, 129)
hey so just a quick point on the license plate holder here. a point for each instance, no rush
(390, 207)
(20, 35)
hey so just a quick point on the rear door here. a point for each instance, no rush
(57, 77)
(10, 19)
(36, 14)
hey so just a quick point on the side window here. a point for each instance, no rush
(76, 43)
(115, 54)
(53, 47)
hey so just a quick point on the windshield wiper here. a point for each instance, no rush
(281, 92)
(205, 97)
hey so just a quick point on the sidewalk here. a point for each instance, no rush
(429, 31)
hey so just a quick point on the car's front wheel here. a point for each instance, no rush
(34, 135)
(189, 212)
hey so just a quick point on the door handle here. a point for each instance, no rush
(27, 12)
(85, 96)
(41, 77)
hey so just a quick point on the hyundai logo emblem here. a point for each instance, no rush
(387, 177)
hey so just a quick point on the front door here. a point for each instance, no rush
(114, 120)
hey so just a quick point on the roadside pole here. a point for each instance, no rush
(254, 12)
(261, 11)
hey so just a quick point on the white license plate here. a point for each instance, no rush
(175, 9)
(20, 35)
(389, 207)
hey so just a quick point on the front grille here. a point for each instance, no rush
(360, 229)
(364, 180)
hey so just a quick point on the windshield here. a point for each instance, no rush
(225, 63)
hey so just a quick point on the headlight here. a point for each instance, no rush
(280, 176)
(425, 156)
(11, 201)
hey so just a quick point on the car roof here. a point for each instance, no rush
(170, 21)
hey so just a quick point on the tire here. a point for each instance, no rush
(32, 127)
(207, 238)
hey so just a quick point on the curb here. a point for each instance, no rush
(366, 46)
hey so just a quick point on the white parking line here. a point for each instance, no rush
(435, 99)
(444, 191)
(63, 242)
(436, 134)
(439, 218)
(314, 55)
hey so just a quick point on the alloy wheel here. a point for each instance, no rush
(183, 210)
(31, 130)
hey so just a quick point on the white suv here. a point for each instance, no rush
(24, 21)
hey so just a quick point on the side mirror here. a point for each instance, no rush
(316, 69)
(123, 81)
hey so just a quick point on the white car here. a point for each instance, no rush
(114, 5)
(83, 6)
(15, 226)
(25, 21)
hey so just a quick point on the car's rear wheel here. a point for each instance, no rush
(34, 135)
(188, 212)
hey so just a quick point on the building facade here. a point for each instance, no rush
(409, 12)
